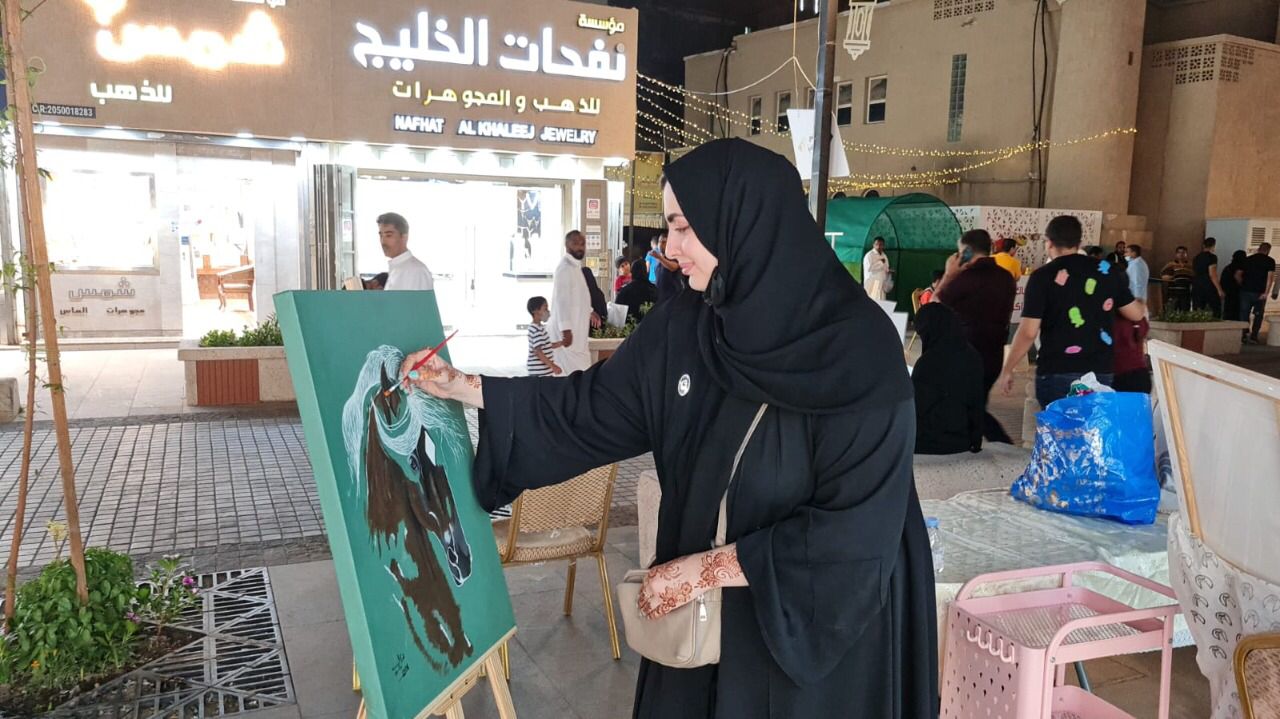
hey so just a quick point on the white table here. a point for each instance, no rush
(989, 531)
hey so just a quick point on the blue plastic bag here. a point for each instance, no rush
(1093, 457)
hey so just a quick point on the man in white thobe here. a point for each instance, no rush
(876, 271)
(1139, 273)
(405, 272)
(571, 306)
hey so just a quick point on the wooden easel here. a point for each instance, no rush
(449, 704)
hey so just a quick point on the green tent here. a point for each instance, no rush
(919, 232)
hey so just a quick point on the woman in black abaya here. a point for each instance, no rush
(828, 582)
(951, 403)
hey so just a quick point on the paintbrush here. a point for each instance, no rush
(418, 365)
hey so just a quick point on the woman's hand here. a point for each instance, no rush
(674, 584)
(440, 379)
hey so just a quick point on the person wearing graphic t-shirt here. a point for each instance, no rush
(1071, 304)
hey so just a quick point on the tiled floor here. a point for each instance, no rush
(227, 492)
(561, 666)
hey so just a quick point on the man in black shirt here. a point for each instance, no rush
(1119, 258)
(1257, 280)
(1071, 303)
(1206, 293)
(981, 293)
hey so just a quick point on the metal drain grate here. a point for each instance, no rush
(238, 665)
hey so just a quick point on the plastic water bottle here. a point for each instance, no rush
(935, 543)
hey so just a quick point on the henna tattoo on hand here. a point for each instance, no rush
(718, 568)
(668, 571)
(473, 381)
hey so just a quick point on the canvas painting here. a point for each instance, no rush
(422, 587)
(525, 250)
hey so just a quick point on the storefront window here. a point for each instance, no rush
(101, 219)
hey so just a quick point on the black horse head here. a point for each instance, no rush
(388, 404)
(443, 511)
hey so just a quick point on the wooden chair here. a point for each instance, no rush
(566, 521)
(1257, 664)
(238, 281)
(915, 312)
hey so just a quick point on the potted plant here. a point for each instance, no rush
(606, 340)
(229, 368)
(1198, 330)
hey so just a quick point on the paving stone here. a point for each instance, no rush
(194, 484)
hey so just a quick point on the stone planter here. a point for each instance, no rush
(602, 349)
(1207, 338)
(223, 376)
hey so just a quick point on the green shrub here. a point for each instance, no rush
(266, 334)
(54, 641)
(169, 591)
(219, 338)
(1188, 316)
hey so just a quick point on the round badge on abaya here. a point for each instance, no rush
(683, 386)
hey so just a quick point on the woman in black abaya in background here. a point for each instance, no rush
(639, 292)
(951, 399)
(828, 602)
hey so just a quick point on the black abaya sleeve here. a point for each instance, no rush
(817, 577)
(536, 431)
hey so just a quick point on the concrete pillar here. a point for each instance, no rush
(1095, 88)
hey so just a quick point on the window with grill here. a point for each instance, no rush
(955, 107)
(844, 103)
(784, 104)
(877, 98)
(757, 108)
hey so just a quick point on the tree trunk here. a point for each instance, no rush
(33, 218)
(28, 422)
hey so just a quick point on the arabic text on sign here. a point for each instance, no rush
(418, 123)
(473, 49)
(496, 98)
(568, 135)
(123, 289)
(130, 93)
(495, 128)
(258, 43)
(611, 26)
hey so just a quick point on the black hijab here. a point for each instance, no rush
(785, 323)
(938, 327)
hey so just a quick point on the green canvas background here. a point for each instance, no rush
(327, 336)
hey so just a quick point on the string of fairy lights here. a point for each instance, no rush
(667, 128)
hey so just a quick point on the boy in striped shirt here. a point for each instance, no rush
(540, 363)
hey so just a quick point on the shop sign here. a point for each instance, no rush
(122, 290)
(568, 135)
(473, 45)
(54, 110)
(552, 73)
(418, 123)
(496, 128)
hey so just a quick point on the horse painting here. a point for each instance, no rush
(407, 508)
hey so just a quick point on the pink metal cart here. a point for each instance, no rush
(1006, 656)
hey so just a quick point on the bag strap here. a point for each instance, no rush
(722, 522)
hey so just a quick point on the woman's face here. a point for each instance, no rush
(683, 246)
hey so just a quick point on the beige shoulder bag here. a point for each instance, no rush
(688, 637)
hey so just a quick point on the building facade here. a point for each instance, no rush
(187, 144)
(951, 94)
